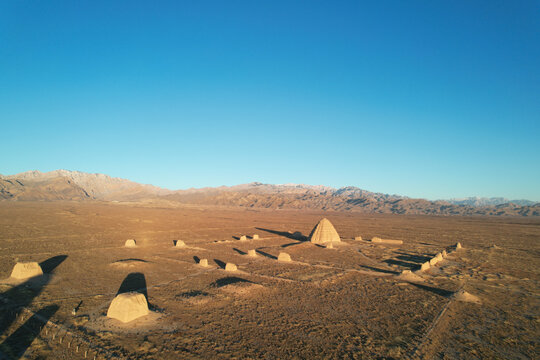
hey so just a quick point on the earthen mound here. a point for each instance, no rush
(129, 263)
(203, 262)
(26, 270)
(464, 296)
(128, 306)
(180, 244)
(386, 241)
(324, 232)
(236, 286)
(283, 256)
(408, 275)
(130, 243)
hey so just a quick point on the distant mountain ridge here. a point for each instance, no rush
(80, 186)
(483, 201)
(350, 198)
(77, 185)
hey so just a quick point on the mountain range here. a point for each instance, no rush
(80, 186)
(483, 201)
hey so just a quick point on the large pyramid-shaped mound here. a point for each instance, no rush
(324, 233)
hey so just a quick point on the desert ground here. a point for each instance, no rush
(347, 302)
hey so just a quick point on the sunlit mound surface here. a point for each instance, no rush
(26, 270)
(408, 275)
(464, 296)
(130, 243)
(324, 232)
(128, 306)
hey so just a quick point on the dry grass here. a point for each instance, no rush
(346, 302)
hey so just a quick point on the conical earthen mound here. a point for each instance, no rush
(128, 306)
(462, 295)
(324, 233)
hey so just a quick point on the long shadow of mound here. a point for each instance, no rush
(192, 293)
(379, 270)
(292, 244)
(220, 263)
(228, 281)
(49, 265)
(240, 251)
(412, 257)
(438, 291)
(134, 282)
(294, 236)
(15, 345)
(20, 296)
(266, 254)
(406, 264)
(132, 259)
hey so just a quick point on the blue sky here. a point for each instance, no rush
(426, 99)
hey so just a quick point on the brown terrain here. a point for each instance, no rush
(350, 301)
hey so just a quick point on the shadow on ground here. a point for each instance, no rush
(240, 251)
(19, 297)
(134, 282)
(405, 264)
(438, 291)
(15, 345)
(413, 257)
(270, 256)
(297, 235)
(228, 281)
(379, 270)
(220, 263)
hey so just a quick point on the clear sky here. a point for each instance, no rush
(432, 99)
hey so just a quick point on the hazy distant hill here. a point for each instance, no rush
(75, 185)
(482, 201)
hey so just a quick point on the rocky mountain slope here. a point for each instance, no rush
(74, 185)
(259, 195)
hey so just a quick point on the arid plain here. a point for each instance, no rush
(344, 302)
